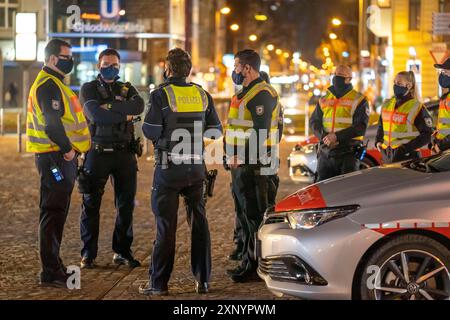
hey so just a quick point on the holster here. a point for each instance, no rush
(210, 181)
(162, 158)
(136, 147)
(84, 185)
(87, 184)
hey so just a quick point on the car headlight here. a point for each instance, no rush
(309, 219)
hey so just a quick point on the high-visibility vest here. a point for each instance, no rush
(187, 109)
(443, 123)
(240, 122)
(398, 124)
(73, 120)
(338, 112)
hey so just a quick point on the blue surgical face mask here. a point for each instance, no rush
(444, 81)
(109, 73)
(400, 91)
(238, 78)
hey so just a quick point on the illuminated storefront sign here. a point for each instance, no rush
(109, 9)
(107, 27)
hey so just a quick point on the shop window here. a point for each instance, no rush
(414, 14)
(8, 9)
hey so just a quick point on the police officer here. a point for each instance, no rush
(405, 124)
(251, 141)
(340, 122)
(441, 138)
(180, 115)
(274, 182)
(109, 106)
(57, 131)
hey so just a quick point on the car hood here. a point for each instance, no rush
(371, 187)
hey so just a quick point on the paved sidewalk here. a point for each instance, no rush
(19, 258)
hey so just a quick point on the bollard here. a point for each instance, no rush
(145, 146)
(19, 132)
(2, 128)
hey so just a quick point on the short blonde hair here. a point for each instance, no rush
(410, 77)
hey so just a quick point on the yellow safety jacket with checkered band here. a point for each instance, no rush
(338, 112)
(398, 123)
(73, 120)
(240, 119)
(443, 123)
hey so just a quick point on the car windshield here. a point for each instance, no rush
(437, 163)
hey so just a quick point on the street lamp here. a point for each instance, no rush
(25, 43)
(270, 47)
(261, 17)
(336, 22)
(333, 36)
(234, 27)
(25, 38)
(253, 37)
(225, 10)
(279, 52)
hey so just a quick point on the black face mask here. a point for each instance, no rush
(339, 84)
(400, 92)
(444, 81)
(65, 66)
(238, 78)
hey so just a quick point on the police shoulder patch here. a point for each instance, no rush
(260, 110)
(56, 105)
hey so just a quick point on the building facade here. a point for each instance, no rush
(400, 36)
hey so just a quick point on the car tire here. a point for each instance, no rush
(415, 250)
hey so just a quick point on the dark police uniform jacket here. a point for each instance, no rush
(155, 128)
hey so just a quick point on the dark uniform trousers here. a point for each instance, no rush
(248, 188)
(238, 236)
(330, 167)
(122, 167)
(54, 206)
(165, 203)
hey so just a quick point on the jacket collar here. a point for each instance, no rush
(248, 88)
(53, 73)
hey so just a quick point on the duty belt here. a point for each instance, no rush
(109, 147)
(164, 158)
(184, 157)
